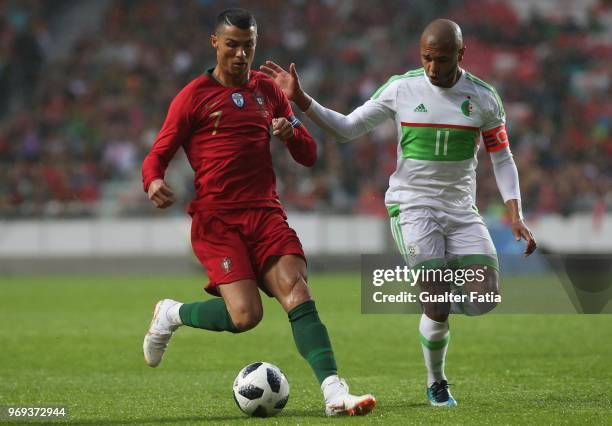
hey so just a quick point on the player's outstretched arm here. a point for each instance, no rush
(289, 82)
(343, 127)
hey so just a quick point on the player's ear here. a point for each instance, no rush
(460, 54)
(214, 42)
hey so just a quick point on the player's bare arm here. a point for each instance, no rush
(519, 229)
(160, 194)
(289, 82)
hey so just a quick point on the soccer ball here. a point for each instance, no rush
(261, 389)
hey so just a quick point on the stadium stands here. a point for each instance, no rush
(73, 131)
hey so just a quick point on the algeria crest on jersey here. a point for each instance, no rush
(238, 99)
(466, 107)
(412, 249)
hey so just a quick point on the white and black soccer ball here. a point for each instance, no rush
(261, 389)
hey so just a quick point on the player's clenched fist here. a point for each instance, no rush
(282, 128)
(161, 194)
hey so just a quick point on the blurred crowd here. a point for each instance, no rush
(74, 130)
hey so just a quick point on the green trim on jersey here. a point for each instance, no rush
(434, 142)
(412, 73)
(490, 88)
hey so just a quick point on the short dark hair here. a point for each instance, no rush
(236, 17)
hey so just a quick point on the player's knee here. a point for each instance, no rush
(482, 297)
(247, 318)
(247, 321)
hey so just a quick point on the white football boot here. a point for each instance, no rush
(160, 331)
(339, 402)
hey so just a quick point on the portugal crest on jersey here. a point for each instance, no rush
(226, 264)
(238, 99)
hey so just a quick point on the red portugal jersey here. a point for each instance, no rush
(225, 132)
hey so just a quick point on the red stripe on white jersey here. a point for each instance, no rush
(445, 126)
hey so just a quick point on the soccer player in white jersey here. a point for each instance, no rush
(440, 111)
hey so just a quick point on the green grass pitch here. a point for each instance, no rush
(77, 342)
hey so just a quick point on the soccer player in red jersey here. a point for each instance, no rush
(224, 120)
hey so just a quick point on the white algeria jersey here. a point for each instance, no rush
(438, 136)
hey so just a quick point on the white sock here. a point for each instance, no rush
(173, 314)
(434, 341)
(332, 387)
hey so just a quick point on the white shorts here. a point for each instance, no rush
(435, 238)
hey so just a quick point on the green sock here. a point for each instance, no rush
(209, 315)
(312, 340)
